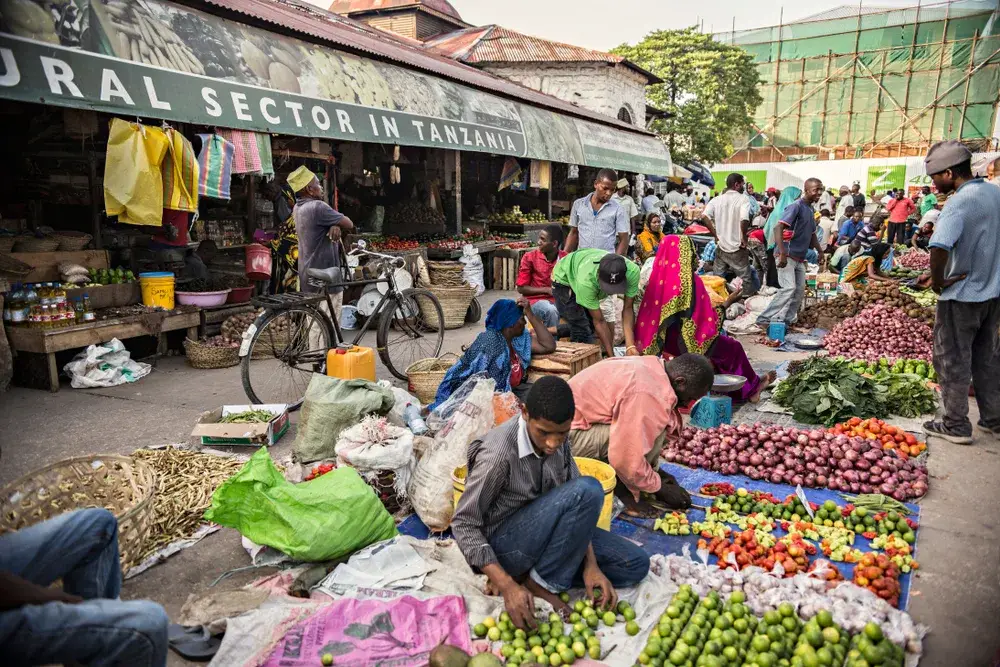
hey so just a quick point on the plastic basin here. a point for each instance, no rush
(203, 299)
(239, 294)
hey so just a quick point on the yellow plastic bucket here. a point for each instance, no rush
(601, 471)
(457, 484)
(157, 289)
(604, 474)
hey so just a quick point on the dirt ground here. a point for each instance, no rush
(956, 591)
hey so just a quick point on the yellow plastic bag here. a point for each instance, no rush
(716, 287)
(133, 183)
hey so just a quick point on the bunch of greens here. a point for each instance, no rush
(824, 390)
(905, 394)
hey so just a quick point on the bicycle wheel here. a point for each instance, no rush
(403, 333)
(287, 347)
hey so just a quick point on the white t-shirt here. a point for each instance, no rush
(828, 225)
(727, 211)
(845, 201)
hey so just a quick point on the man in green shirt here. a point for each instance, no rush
(927, 201)
(581, 280)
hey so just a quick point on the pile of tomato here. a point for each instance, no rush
(891, 437)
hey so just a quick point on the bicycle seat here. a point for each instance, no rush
(330, 276)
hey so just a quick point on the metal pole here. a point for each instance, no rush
(458, 192)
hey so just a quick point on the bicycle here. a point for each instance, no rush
(296, 332)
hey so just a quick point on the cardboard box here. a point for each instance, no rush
(211, 432)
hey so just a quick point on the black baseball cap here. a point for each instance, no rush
(611, 272)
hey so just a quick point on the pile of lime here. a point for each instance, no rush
(552, 642)
(821, 642)
(665, 640)
(870, 647)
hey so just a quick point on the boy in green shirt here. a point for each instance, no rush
(581, 280)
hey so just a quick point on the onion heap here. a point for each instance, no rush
(811, 458)
(881, 331)
(915, 258)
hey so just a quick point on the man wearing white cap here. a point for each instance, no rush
(624, 199)
(318, 227)
(965, 272)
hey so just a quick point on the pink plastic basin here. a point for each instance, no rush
(203, 299)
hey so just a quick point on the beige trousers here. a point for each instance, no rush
(593, 442)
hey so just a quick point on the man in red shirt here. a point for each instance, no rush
(900, 209)
(534, 279)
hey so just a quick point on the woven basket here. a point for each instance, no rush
(122, 485)
(7, 243)
(35, 244)
(424, 376)
(264, 348)
(454, 303)
(446, 274)
(203, 356)
(72, 240)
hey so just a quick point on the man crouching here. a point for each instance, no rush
(528, 519)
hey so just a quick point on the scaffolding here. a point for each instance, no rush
(859, 82)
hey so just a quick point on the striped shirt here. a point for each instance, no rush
(599, 229)
(504, 475)
(867, 236)
(969, 229)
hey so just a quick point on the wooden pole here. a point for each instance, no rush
(458, 192)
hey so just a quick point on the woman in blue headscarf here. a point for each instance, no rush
(503, 351)
(788, 197)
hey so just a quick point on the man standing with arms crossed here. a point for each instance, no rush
(598, 222)
(965, 272)
(790, 257)
(728, 219)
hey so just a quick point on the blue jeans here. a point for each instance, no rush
(784, 307)
(546, 312)
(81, 548)
(548, 539)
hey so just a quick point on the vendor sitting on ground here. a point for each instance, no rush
(83, 620)
(503, 351)
(677, 316)
(581, 280)
(649, 239)
(196, 261)
(922, 238)
(844, 254)
(626, 409)
(866, 266)
(528, 519)
(534, 278)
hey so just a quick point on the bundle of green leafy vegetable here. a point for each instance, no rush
(825, 390)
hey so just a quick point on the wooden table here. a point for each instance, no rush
(50, 341)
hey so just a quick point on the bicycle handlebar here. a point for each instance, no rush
(399, 261)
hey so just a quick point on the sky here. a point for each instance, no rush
(604, 24)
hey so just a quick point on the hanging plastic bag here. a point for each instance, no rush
(331, 516)
(430, 489)
(133, 183)
(330, 406)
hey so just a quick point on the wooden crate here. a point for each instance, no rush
(568, 360)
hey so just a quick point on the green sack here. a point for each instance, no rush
(331, 406)
(331, 516)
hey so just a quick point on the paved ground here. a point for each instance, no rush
(956, 593)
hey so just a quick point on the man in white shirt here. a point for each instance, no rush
(674, 198)
(624, 199)
(728, 219)
(846, 199)
(651, 202)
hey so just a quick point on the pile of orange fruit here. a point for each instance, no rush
(891, 437)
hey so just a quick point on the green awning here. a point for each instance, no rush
(157, 59)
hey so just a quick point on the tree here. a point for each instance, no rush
(710, 90)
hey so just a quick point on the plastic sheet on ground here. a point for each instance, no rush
(105, 365)
(389, 564)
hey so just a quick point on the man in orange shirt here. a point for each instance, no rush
(626, 408)
(900, 209)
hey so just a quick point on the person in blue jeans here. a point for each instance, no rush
(528, 519)
(790, 257)
(84, 621)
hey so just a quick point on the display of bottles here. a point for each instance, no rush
(44, 306)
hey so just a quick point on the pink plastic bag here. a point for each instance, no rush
(400, 632)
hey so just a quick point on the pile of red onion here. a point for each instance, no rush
(881, 331)
(915, 258)
(789, 456)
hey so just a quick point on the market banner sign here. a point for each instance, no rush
(886, 178)
(156, 59)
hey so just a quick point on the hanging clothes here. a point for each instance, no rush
(215, 162)
(511, 173)
(252, 152)
(264, 150)
(180, 174)
(133, 179)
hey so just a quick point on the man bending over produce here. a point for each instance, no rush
(528, 519)
(626, 409)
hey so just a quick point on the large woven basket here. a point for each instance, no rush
(265, 347)
(72, 240)
(424, 376)
(454, 303)
(446, 274)
(123, 485)
(35, 244)
(203, 356)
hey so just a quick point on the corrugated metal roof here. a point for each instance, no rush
(352, 6)
(350, 35)
(496, 44)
